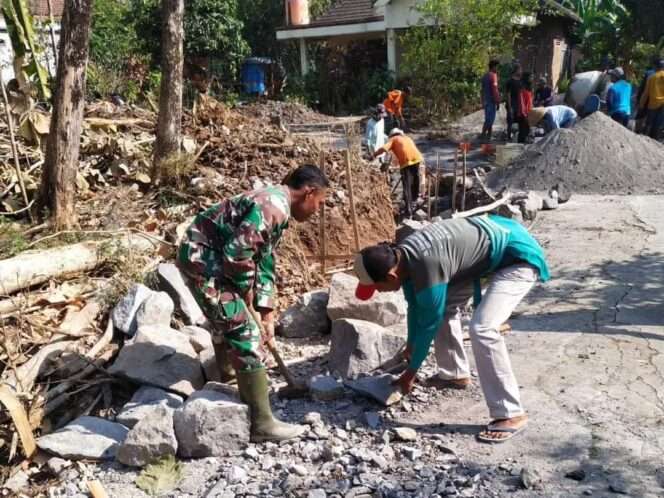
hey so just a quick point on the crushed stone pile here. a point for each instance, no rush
(597, 156)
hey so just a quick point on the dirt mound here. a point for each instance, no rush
(597, 156)
(290, 112)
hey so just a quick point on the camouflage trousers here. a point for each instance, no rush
(231, 321)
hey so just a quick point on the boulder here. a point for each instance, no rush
(325, 388)
(408, 227)
(199, 337)
(86, 437)
(124, 313)
(386, 308)
(209, 362)
(379, 388)
(211, 424)
(145, 401)
(531, 205)
(157, 309)
(307, 317)
(359, 347)
(162, 357)
(153, 437)
(172, 282)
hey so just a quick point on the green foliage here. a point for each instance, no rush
(446, 60)
(212, 28)
(25, 45)
(604, 31)
(161, 476)
(113, 39)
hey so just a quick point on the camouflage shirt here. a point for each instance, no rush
(233, 242)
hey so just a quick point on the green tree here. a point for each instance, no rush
(447, 54)
(213, 28)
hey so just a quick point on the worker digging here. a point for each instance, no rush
(228, 256)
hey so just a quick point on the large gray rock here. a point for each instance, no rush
(151, 438)
(386, 308)
(163, 357)
(144, 402)
(86, 437)
(325, 388)
(211, 424)
(199, 337)
(359, 347)
(209, 362)
(379, 388)
(172, 282)
(307, 317)
(157, 309)
(124, 313)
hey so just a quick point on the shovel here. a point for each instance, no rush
(295, 388)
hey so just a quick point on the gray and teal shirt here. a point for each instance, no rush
(453, 251)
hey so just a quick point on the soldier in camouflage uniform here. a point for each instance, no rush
(228, 257)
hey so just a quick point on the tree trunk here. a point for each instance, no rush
(169, 124)
(63, 145)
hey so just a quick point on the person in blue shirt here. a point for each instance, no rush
(438, 269)
(619, 97)
(552, 117)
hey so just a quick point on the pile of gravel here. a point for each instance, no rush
(597, 156)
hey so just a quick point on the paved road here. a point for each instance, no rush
(588, 350)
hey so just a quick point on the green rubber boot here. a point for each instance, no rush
(223, 360)
(264, 427)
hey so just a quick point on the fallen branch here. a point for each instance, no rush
(20, 418)
(483, 209)
(32, 268)
(23, 379)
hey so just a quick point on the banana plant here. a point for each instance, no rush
(598, 17)
(24, 44)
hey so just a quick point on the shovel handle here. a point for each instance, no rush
(272, 347)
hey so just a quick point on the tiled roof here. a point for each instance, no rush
(39, 8)
(348, 12)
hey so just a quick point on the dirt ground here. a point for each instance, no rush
(588, 351)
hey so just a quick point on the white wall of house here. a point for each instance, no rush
(44, 37)
(400, 14)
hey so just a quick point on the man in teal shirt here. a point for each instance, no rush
(439, 269)
(619, 97)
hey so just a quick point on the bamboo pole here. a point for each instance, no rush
(437, 187)
(351, 195)
(12, 138)
(52, 29)
(323, 235)
(465, 172)
(454, 182)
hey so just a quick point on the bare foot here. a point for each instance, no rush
(501, 430)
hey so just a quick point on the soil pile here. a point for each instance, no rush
(289, 112)
(597, 156)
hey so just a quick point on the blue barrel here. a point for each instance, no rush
(253, 76)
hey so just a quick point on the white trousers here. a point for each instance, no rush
(506, 289)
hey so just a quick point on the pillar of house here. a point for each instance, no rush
(391, 50)
(304, 61)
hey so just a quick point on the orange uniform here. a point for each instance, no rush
(404, 149)
(394, 102)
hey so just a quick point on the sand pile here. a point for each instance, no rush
(597, 156)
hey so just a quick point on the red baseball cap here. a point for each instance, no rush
(366, 286)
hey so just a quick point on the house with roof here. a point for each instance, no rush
(41, 16)
(544, 48)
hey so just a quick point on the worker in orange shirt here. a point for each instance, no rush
(409, 158)
(394, 105)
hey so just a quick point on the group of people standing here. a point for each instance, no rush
(526, 104)
(529, 107)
